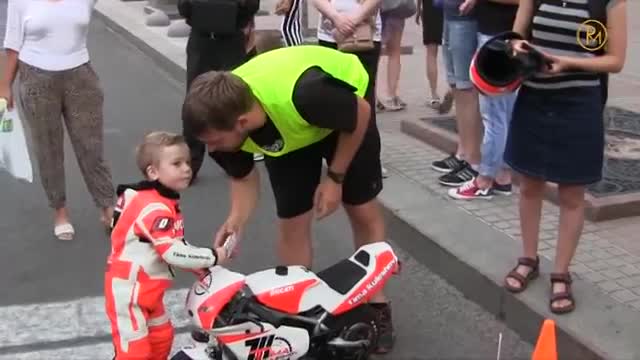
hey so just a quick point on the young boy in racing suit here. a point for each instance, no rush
(147, 242)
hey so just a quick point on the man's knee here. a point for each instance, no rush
(367, 221)
(297, 228)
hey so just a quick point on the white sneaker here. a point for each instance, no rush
(385, 173)
(258, 157)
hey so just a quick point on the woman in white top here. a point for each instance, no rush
(45, 44)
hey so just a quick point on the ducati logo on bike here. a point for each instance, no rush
(282, 290)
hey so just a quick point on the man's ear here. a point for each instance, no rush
(243, 122)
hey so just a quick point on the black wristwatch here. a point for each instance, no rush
(336, 177)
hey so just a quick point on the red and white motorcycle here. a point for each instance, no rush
(289, 312)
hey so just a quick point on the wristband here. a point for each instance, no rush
(336, 177)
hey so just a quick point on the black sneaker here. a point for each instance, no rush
(458, 177)
(386, 338)
(502, 189)
(448, 164)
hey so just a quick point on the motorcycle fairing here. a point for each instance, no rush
(337, 289)
(211, 293)
(250, 341)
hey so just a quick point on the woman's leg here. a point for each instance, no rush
(83, 102)
(41, 103)
(432, 69)
(571, 198)
(393, 47)
(531, 195)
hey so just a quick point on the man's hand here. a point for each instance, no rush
(222, 256)
(227, 229)
(327, 198)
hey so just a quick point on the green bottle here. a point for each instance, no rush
(6, 123)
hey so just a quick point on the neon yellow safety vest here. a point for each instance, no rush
(272, 77)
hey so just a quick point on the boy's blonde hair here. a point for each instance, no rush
(148, 152)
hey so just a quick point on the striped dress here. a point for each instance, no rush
(291, 27)
(554, 30)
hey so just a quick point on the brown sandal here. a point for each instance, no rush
(533, 264)
(564, 278)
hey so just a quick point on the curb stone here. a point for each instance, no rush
(474, 258)
(463, 250)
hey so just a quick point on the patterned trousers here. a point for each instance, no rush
(75, 95)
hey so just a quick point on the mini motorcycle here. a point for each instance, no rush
(289, 312)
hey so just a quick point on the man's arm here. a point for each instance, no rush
(348, 143)
(244, 198)
(327, 102)
(245, 184)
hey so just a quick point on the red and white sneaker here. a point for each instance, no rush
(470, 190)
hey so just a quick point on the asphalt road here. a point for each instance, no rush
(432, 319)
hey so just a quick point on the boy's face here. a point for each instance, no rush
(173, 168)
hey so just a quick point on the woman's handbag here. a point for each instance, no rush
(361, 39)
(14, 153)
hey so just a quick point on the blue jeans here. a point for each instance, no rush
(459, 43)
(496, 114)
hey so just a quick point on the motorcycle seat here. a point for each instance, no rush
(344, 275)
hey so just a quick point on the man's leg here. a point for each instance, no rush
(462, 40)
(362, 184)
(294, 178)
(452, 162)
(463, 37)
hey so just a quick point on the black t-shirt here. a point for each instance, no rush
(322, 100)
(494, 18)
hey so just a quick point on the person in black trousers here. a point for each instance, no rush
(215, 44)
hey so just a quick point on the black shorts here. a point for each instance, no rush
(295, 176)
(432, 22)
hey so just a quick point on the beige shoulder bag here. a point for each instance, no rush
(362, 38)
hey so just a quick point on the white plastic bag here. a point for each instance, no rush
(14, 154)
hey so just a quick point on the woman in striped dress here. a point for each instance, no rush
(291, 27)
(557, 131)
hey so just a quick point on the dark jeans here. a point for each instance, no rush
(208, 54)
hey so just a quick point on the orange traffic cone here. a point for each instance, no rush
(546, 346)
